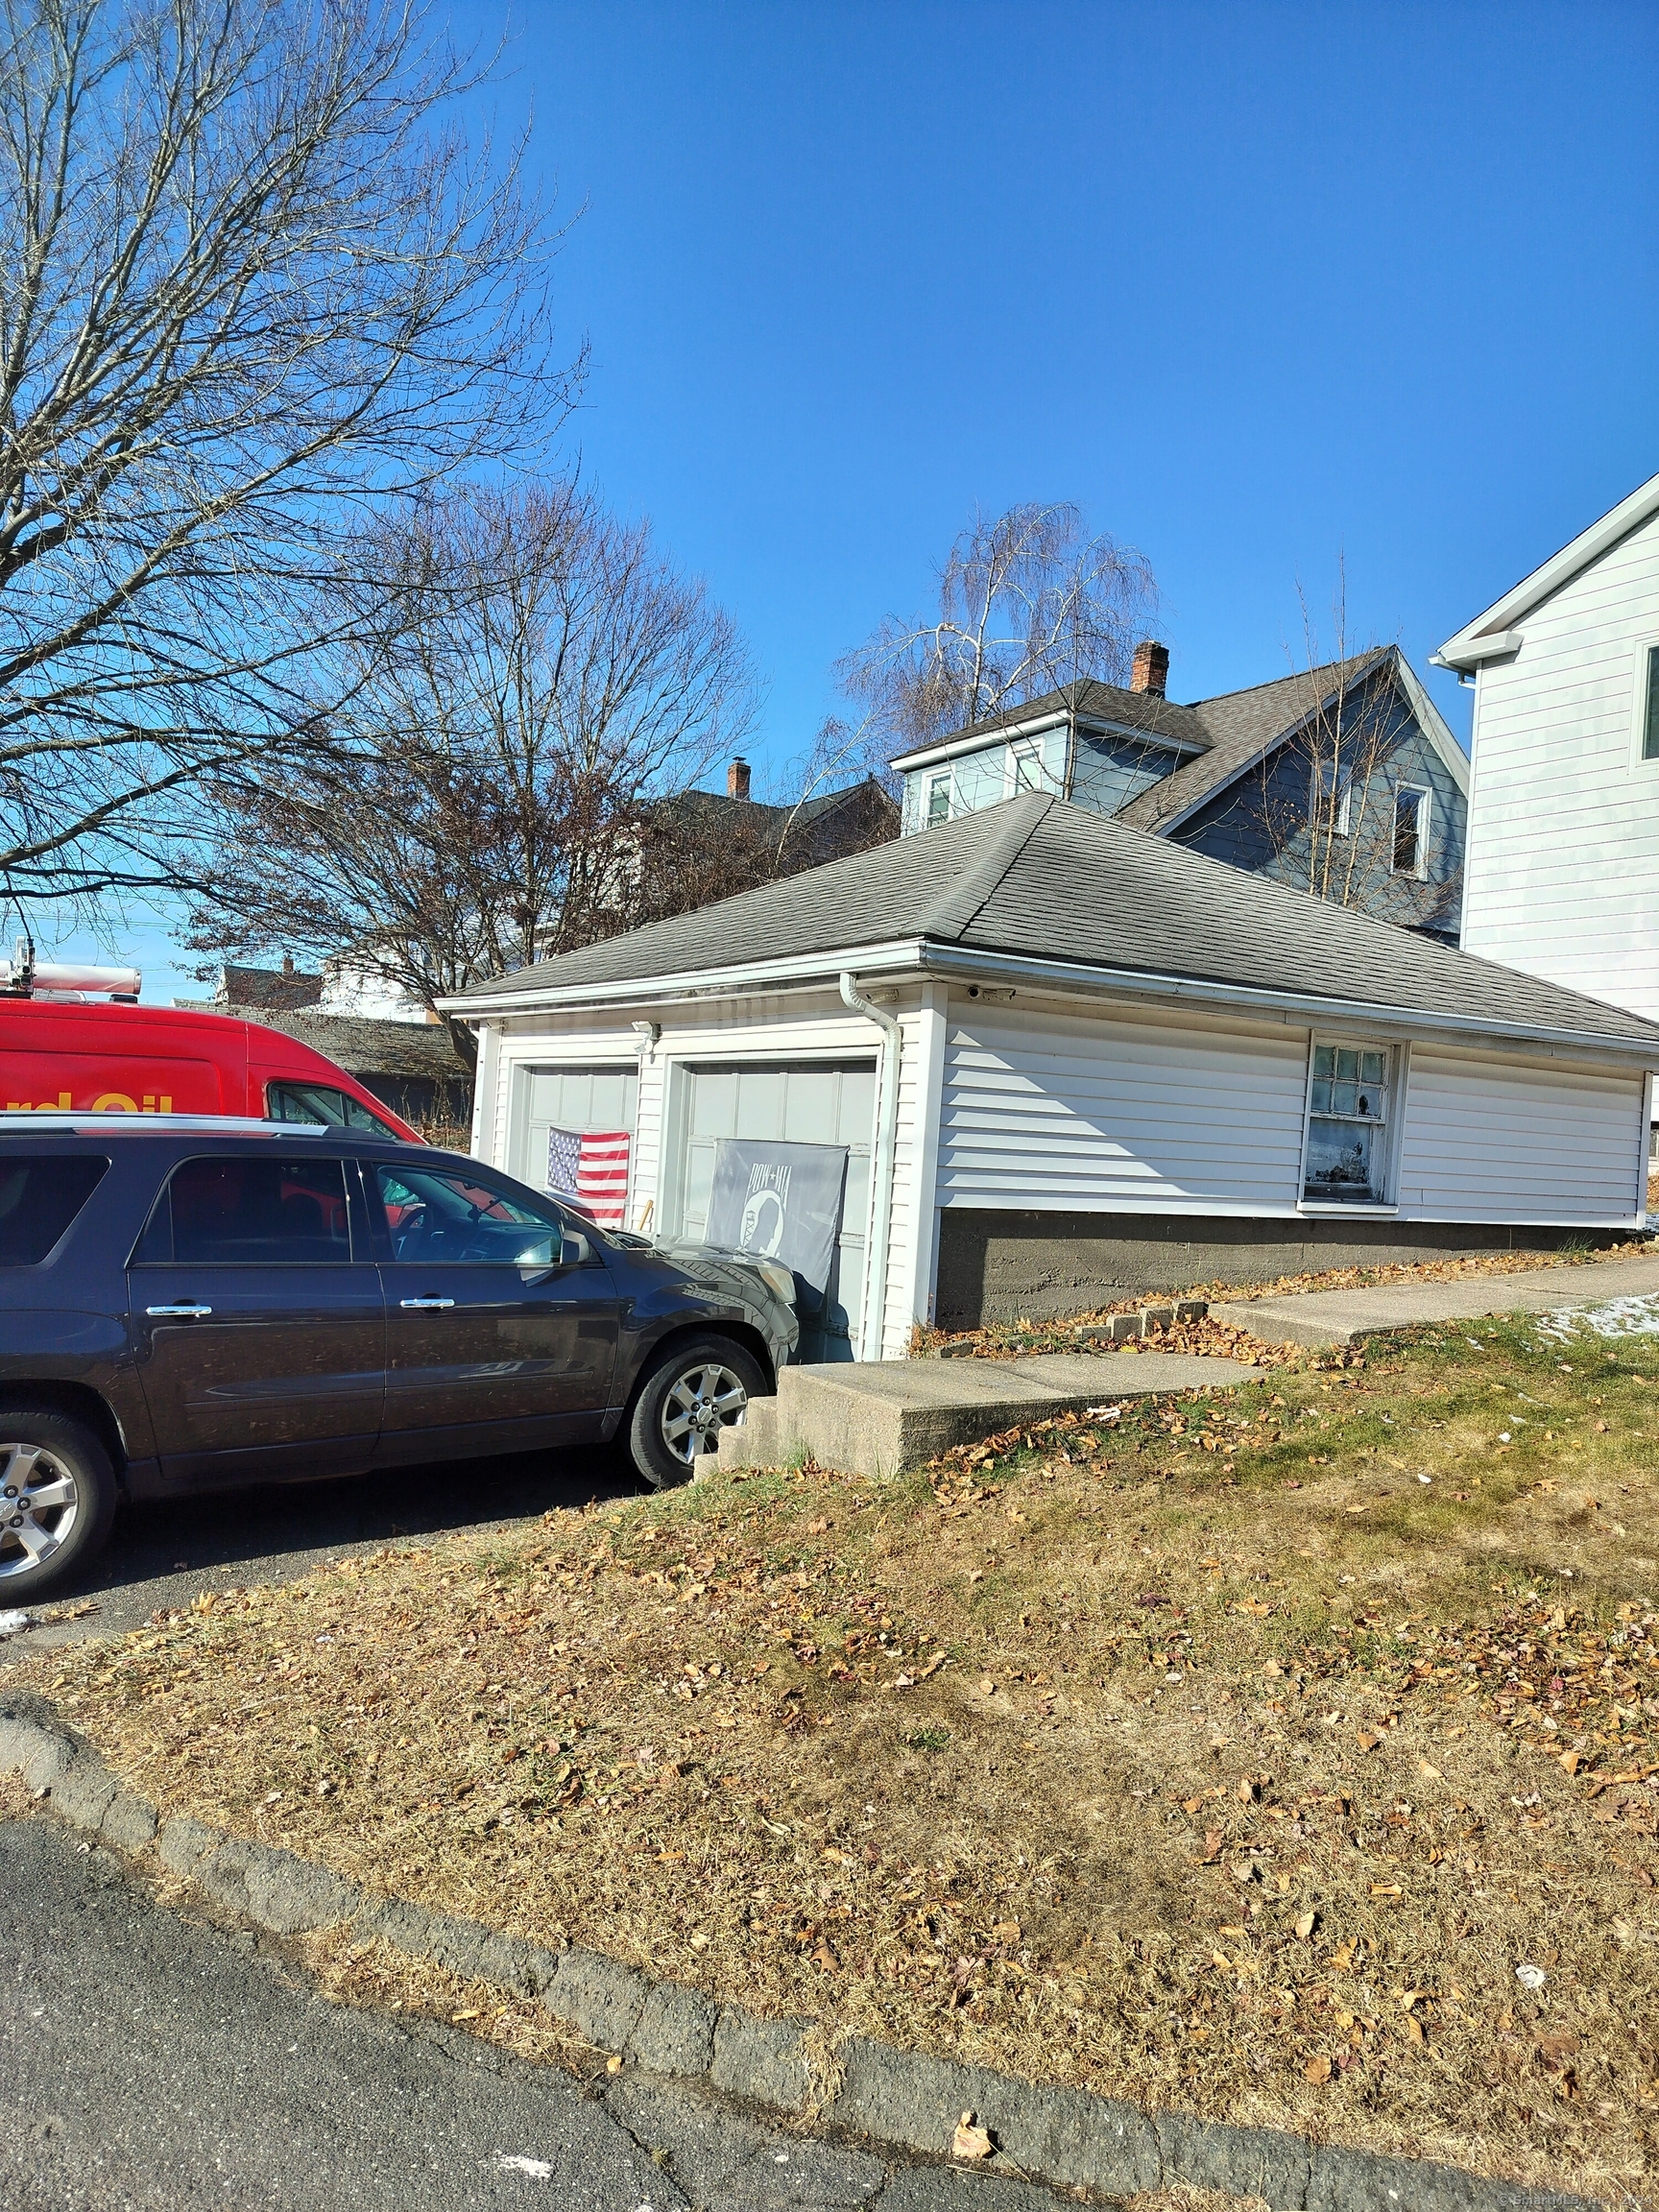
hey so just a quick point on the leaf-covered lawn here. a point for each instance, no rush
(1235, 1754)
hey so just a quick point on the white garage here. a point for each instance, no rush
(1045, 1060)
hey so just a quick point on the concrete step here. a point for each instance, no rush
(883, 1417)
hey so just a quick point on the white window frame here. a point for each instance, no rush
(1344, 794)
(1644, 677)
(1023, 749)
(1397, 1060)
(936, 778)
(1424, 794)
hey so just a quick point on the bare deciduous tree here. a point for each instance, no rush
(249, 291)
(1028, 603)
(497, 781)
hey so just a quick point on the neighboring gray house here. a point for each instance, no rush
(1342, 779)
(1056, 1059)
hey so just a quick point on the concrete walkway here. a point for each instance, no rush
(885, 1416)
(1326, 1317)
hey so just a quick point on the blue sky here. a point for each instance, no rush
(1259, 286)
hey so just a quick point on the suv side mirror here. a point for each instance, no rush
(540, 1259)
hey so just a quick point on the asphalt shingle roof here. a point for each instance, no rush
(1039, 877)
(1093, 704)
(1241, 726)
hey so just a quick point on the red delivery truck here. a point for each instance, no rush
(73, 1040)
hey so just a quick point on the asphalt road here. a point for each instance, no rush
(149, 2063)
(163, 1553)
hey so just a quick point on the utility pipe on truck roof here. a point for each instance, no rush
(886, 1150)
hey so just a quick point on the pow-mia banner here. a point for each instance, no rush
(783, 1202)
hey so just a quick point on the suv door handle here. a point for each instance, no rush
(422, 1304)
(178, 1312)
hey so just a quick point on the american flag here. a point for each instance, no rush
(591, 1164)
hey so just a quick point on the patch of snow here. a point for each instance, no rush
(511, 2163)
(15, 1624)
(1632, 1317)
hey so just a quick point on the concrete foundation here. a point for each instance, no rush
(1005, 1266)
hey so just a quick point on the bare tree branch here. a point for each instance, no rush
(495, 796)
(250, 289)
(1028, 603)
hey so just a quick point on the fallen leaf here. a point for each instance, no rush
(968, 2141)
(1367, 1743)
(826, 1958)
(612, 2064)
(1318, 2069)
(1570, 1762)
(1424, 1767)
(1387, 1889)
(1306, 1924)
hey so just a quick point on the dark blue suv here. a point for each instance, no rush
(191, 1305)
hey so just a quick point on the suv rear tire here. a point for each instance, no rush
(694, 1391)
(57, 1499)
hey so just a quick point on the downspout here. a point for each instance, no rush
(886, 1151)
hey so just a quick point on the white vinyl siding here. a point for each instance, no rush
(1120, 1111)
(1490, 1140)
(1563, 854)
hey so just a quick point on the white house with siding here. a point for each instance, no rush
(1065, 1060)
(1562, 872)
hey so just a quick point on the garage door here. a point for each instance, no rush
(575, 1099)
(796, 1103)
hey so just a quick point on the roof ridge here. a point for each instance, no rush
(967, 898)
(1356, 661)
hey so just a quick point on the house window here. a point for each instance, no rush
(1410, 831)
(1332, 798)
(1025, 767)
(938, 800)
(1651, 717)
(1348, 1125)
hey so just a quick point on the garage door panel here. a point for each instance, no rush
(793, 1105)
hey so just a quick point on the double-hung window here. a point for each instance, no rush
(1332, 798)
(939, 799)
(1410, 831)
(1024, 766)
(1346, 1160)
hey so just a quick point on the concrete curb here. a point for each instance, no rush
(1069, 2139)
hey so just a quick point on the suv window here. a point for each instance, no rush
(233, 1211)
(436, 1214)
(40, 1195)
(321, 1102)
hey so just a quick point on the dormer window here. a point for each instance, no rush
(939, 799)
(1024, 766)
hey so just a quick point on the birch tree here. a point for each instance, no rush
(251, 288)
(1028, 602)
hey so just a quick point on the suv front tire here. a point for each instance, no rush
(693, 1393)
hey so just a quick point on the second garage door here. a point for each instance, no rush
(796, 1102)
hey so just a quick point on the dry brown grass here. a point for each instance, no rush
(1208, 1757)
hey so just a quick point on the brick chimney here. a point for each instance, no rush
(738, 775)
(1151, 672)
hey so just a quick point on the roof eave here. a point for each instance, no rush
(928, 955)
(949, 959)
(1480, 640)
